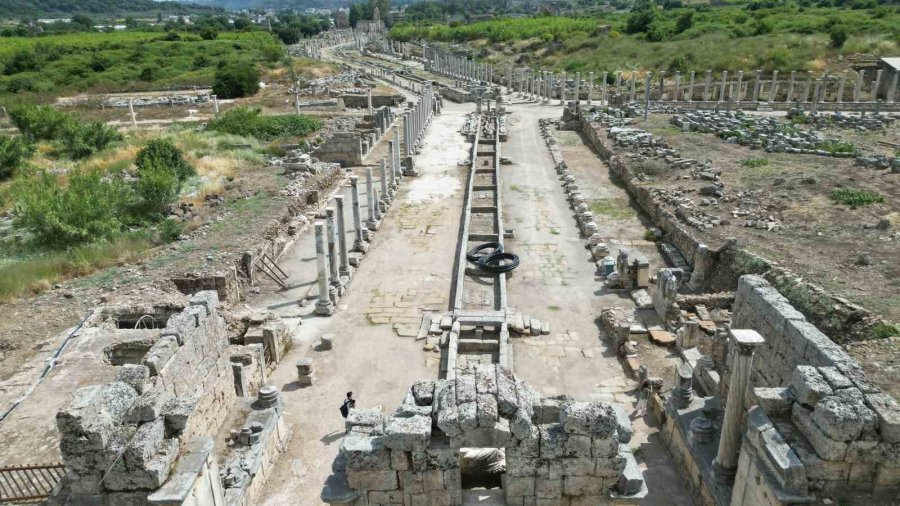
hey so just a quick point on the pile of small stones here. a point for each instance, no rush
(770, 134)
(858, 122)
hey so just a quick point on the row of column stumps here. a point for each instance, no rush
(332, 252)
(539, 84)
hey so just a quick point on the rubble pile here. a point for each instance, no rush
(769, 134)
(858, 122)
(347, 82)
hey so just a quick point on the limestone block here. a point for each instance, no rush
(809, 386)
(486, 410)
(865, 451)
(595, 419)
(547, 488)
(783, 462)
(399, 460)
(521, 466)
(842, 420)
(372, 480)
(445, 412)
(452, 479)
(528, 445)
(448, 421)
(631, 481)
(423, 392)
(134, 375)
(151, 477)
(507, 402)
(774, 401)
(144, 444)
(578, 446)
(176, 413)
(602, 448)
(411, 482)
(407, 434)
(148, 406)
(553, 441)
(824, 446)
(365, 453)
(578, 466)
(90, 411)
(583, 485)
(514, 486)
(370, 421)
(304, 367)
(208, 299)
(379, 497)
(486, 379)
(887, 412)
(854, 373)
(465, 389)
(160, 354)
(432, 480)
(468, 419)
(887, 476)
(624, 428)
(834, 378)
(520, 425)
(817, 468)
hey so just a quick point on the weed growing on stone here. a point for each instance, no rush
(855, 197)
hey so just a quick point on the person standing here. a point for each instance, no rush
(349, 403)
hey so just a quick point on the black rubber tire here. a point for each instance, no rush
(475, 254)
(491, 263)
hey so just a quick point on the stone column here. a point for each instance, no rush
(743, 344)
(647, 82)
(724, 83)
(590, 88)
(840, 92)
(876, 84)
(677, 86)
(740, 85)
(816, 93)
(773, 91)
(756, 86)
(562, 90)
(633, 79)
(386, 192)
(892, 90)
(371, 203)
(324, 306)
(790, 93)
(215, 104)
(344, 269)
(706, 86)
(691, 87)
(407, 133)
(358, 241)
(369, 102)
(331, 231)
(806, 87)
(397, 154)
(857, 89)
(577, 88)
(603, 88)
(619, 82)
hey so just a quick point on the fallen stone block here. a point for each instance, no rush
(325, 343)
(134, 375)
(809, 386)
(624, 428)
(365, 452)
(887, 412)
(842, 420)
(407, 434)
(594, 419)
(148, 406)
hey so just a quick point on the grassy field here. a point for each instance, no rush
(39, 69)
(696, 37)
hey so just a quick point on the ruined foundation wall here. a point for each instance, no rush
(837, 317)
(362, 101)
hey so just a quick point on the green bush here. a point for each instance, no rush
(855, 197)
(13, 153)
(838, 36)
(164, 153)
(40, 122)
(250, 122)
(236, 79)
(90, 208)
(170, 230)
(161, 172)
(754, 162)
(82, 140)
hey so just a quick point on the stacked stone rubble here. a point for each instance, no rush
(558, 451)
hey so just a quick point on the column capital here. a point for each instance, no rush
(746, 340)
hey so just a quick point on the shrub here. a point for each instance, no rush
(685, 21)
(246, 122)
(83, 140)
(754, 162)
(39, 122)
(170, 230)
(89, 209)
(163, 152)
(838, 36)
(855, 197)
(237, 79)
(13, 152)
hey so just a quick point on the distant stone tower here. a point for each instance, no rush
(376, 18)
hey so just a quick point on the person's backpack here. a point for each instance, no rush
(345, 408)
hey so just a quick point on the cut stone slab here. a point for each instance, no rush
(662, 337)
(888, 414)
(809, 386)
(642, 299)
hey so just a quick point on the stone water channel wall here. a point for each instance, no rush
(839, 318)
(146, 438)
(558, 451)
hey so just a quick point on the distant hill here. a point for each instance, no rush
(105, 8)
(275, 4)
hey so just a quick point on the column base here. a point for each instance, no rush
(324, 308)
(724, 475)
(360, 246)
(373, 225)
(345, 272)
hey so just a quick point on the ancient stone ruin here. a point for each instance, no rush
(555, 450)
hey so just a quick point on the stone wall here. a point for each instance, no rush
(362, 101)
(558, 451)
(127, 433)
(839, 318)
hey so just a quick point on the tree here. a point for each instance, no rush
(685, 21)
(83, 21)
(236, 79)
(13, 152)
(641, 17)
(209, 33)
